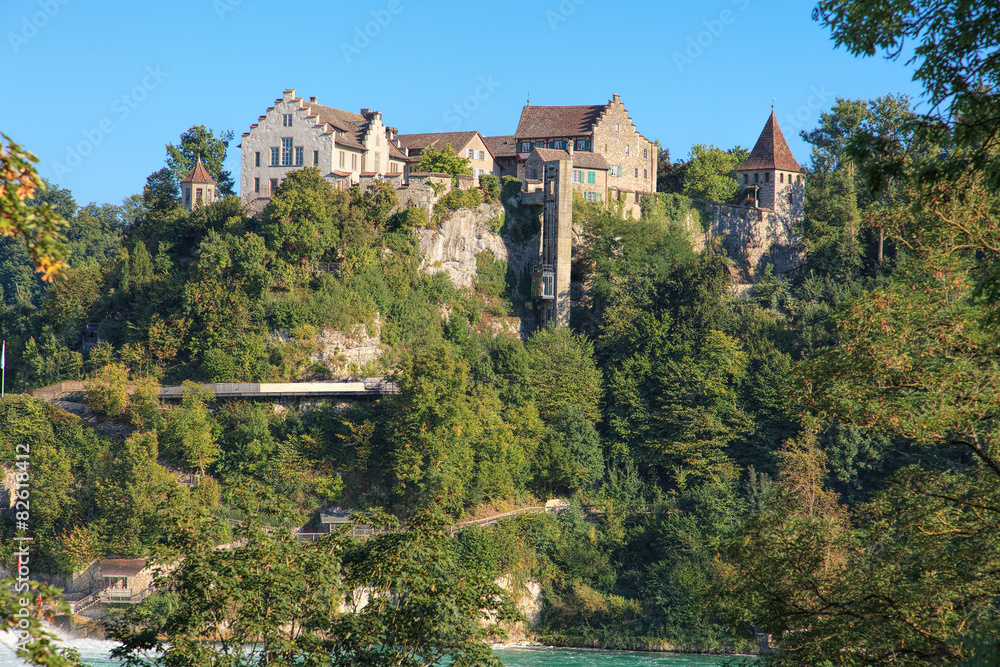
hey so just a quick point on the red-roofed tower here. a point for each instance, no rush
(197, 188)
(771, 178)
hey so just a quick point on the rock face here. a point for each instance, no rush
(754, 237)
(454, 245)
(346, 353)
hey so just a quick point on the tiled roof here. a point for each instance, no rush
(429, 173)
(538, 122)
(437, 140)
(395, 153)
(369, 174)
(350, 126)
(552, 154)
(588, 160)
(341, 174)
(503, 146)
(771, 150)
(198, 175)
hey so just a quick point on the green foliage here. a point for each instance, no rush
(444, 161)
(107, 392)
(457, 199)
(414, 216)
(188, 431)
(490, 185)
(197, 142)
(710, 173)
(298, 221)
(562, 372)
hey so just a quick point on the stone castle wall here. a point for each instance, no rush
(755, 237)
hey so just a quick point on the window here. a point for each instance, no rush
(781, 178)
(275, 153)
(482, 155)
(315, 158)
(469, 153)
(746, 178)
(592, 196)
(274, 185)
(377, 169)
(286, 152)
(645, 174)
(636, 172)
(645, 153)
(636, 196)
(341, 159)
(626, 149)
(256, 185)
(298, 156)
(187, 196)
(611, 172)
(767, 177)
(591, 177)
(583, 144)
(340, 184)
(256, 159)
(354, 162)
(534, 174)
(198, 197)
(756, 178)
(576, 176)
(616, 128)
(619, 171)
(378, 140)
(286, 120)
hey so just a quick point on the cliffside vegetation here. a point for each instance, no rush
(817, 460)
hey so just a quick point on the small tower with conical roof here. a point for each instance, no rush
(771, 178)
(197, 188)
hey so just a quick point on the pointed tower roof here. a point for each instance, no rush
(771, 150)
(198, 175)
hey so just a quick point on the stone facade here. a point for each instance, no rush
(606, 130)
(759, 228)
(294, 134)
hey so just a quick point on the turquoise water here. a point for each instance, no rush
(95, 652)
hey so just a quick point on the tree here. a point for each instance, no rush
(562, 372)
(298, 221)
(189, 429)
(444, 161)
(40, 227)
(669, 175)
(162, 191)
(710, 173)
(199, 141)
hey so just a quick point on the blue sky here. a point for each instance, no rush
(97, 89)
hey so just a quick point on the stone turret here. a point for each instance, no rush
(771, 178)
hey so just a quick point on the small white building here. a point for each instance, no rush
(295, 133)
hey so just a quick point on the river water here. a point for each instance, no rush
(95, 652)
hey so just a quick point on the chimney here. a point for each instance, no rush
(570, 144)
(616, 98)
(313, 100)
(287, 94)
(366, 112)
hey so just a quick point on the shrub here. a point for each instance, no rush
(490, 185)
(107, 393)
(415, 216)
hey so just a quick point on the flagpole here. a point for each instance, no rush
(3, 370)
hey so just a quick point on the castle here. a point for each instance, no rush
(595, 151)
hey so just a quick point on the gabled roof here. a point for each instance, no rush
(771, 150)
(198, 175)
(436, 140)
(537, 122)
(503, 146)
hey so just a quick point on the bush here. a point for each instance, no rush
(457, 199)
(490, 185)
(107, 393)
(414, 216)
